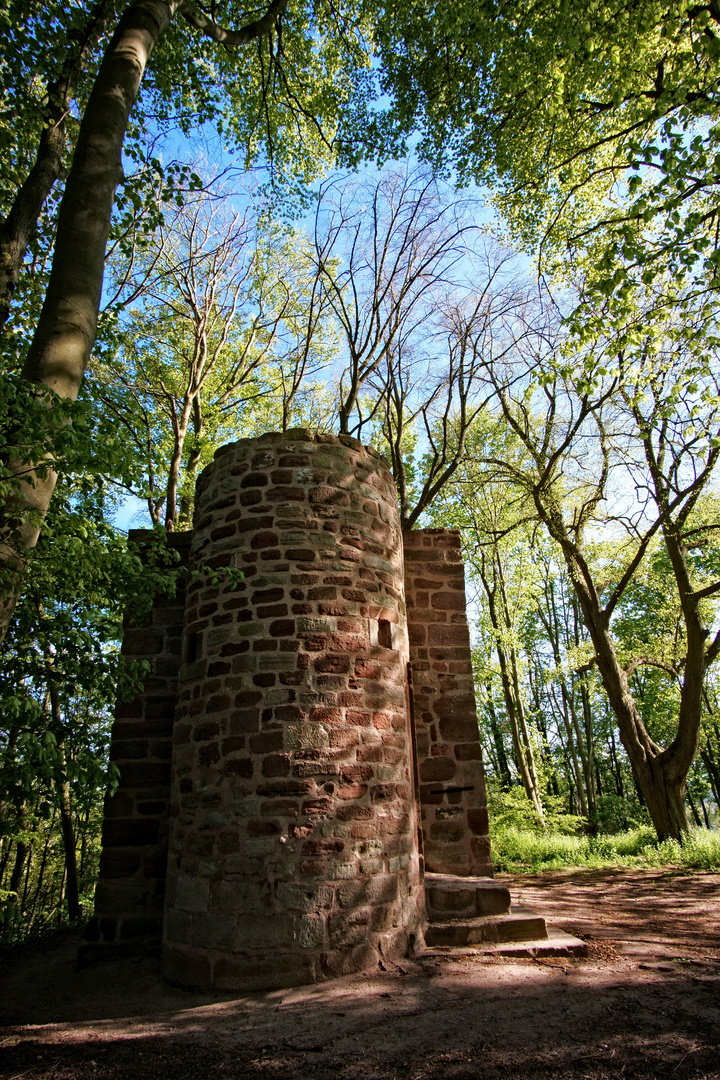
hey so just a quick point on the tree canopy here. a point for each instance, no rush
(595, 124)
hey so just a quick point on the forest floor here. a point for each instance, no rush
(645, 1003)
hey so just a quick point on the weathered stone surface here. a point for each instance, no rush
(273, 742)
(447, 740)
(515, 926)
(131, 885)
(449, 897)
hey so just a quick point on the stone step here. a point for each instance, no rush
(448, 897)
(557, 944)
(520, 924)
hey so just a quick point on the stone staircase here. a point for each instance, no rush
(476, 913)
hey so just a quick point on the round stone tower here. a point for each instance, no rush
(293, 844)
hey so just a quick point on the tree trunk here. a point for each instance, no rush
(22, 219)
(28, 865)
(21, 851)
(713, 771)
(66, 329)
(187, 500)
(591, 769)
(17, 229)
(83, 844)
(594, 772)
(655, 770)
(526, 776)
(63, 789)
(180, 431)
(660, 774)
(703, 807)
(502, 761)
(68, 835)
(571, 752)
(5, 848)
(41, 870)
(516, 692)
(617, 771)
(693, 810)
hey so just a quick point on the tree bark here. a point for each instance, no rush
(660, 774)
(520, 741)
(63, 790)
(713, 771)
(67, 326)
(180, 429)
(21, 851)
(68, 835)
(41, 870)
(517, 694)
(17, 229)
(503, 767)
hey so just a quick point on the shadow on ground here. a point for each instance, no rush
(646, 1003)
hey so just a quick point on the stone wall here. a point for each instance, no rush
(449, 764)
(299, 749)
(293, 844)
(129, 895)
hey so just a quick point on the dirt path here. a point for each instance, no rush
(646, 1003)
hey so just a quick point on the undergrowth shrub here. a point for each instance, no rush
(513, 810)
(531, 850)
(701, 851)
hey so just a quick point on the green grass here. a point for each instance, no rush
(529, 851)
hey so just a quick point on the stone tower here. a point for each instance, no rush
(306, 745)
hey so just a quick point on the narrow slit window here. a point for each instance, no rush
(191, 649)
(385, 634)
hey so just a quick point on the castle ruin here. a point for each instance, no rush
(301, 785)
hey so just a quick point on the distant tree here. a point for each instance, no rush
(223, 332)
(418, 293)
(383, 252)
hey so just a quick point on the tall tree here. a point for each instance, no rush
(429, 391)
(48, 64)
(285, 74)
(384, 251)
(639, 425)
(418, 293)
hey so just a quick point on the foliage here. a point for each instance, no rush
(212, 337)
(61, 671)
(37, 907)
(597, 129)
(519, 850)
(596, 124)
(511, 809)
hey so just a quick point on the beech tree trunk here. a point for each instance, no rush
(17, 229)
(502, 763)
(180, 426)
(522, 745)
(21, 851)
(68, 834)
(67, 326)
(660, 774)
(63, 790)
